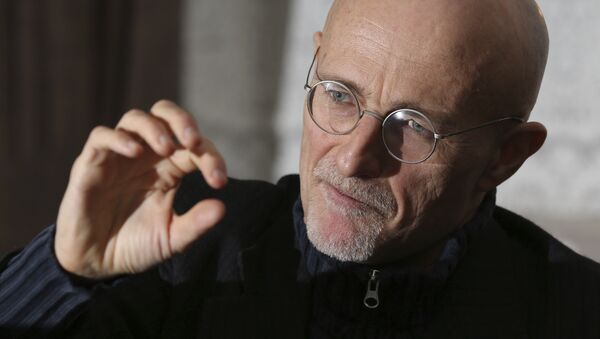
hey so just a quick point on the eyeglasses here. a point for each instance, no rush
(408, 135)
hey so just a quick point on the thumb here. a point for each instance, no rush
(190, 226)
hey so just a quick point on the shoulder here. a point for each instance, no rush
(539, 242)
(515, 272)
(567, 283)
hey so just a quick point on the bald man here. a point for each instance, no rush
(415, 112)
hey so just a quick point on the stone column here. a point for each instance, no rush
(230, 79)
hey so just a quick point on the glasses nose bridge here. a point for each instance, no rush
(376, 116)
(373, 114)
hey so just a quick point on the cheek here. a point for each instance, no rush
(314, 146)
(444, 177)
(416, 188)
(433, 196)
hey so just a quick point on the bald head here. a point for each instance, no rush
(474, 56)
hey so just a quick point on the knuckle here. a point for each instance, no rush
(168, 109)
(97, 132)
(140, 122)
(134, 112)
(122, 135)
(161, 104)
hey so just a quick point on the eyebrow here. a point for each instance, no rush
(396, 105)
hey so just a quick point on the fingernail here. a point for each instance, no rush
(190, 134)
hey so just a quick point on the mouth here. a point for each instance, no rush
(342, 195)
(341, 199)
(352, 196)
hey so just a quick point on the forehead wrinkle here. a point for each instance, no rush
(376, 26)
(419, 53)
(364, 72)
(392, 41)
(398, 37)
(376, 56)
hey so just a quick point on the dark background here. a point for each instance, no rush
(66, 66)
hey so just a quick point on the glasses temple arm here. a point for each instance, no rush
(306, 86)
(446, 135)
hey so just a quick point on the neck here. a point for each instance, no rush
(422, 259)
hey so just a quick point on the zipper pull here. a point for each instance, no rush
(372, 296)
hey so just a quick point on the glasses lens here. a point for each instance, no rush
(333, 107)
(408, 136)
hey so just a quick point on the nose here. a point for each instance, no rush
(362, 152)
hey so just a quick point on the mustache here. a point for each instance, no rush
(369, 192)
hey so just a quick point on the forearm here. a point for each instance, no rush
(35, 292)
(37, 296)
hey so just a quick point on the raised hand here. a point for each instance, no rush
(116, 215)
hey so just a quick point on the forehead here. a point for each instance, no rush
(399, 56)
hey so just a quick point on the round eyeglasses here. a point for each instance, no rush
(408, 135)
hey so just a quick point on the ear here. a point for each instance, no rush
(317, 37)
(518, 145)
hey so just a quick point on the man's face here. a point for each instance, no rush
(361, 204)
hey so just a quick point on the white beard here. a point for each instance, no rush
(357, 246)
(356, 239)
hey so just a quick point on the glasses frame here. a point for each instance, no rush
(361, 112)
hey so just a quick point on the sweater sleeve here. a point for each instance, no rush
(35, 292)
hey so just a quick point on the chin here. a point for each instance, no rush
(343, 237)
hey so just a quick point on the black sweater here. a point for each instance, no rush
(250, 277)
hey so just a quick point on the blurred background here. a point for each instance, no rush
(239, 66)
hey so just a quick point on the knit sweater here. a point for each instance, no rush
(498, 277)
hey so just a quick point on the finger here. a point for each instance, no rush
(180, 122)
(211, 164)
(150, 129)
(188, 227)
(205, 155)
(105, 139)
(207, 159)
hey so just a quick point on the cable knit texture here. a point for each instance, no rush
(407, 296)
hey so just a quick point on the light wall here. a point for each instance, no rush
(560, 186)
(230, 77)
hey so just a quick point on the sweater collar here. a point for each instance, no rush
(318, 263)
(406, 295)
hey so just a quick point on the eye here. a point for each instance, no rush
(417, 127)
(337, 93)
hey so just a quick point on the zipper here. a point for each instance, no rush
(371, 299)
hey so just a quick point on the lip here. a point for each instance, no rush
(338, 197)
